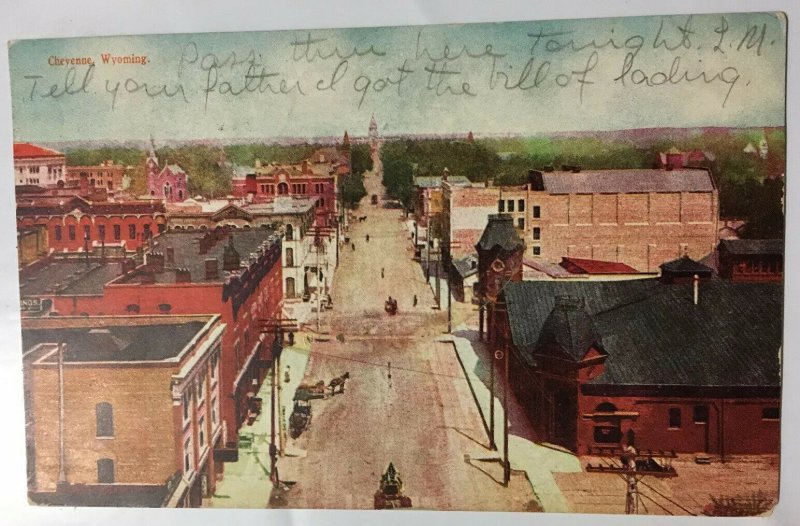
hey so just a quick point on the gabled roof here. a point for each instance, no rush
(24, 150)
(569, 327)
(772, 247)
(685, 265)
(655, 336)
(500, 233)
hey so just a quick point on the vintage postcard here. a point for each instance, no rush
(530, 266)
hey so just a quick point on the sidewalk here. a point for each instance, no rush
(246, 483)
(539, 462)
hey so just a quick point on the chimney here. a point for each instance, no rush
(155, 261)
(212, 268)
(183, 275)
(696, 287)
(170, 257)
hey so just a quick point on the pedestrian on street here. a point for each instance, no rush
(415, 300)
(367, 238)
(353, 245)
(381, 272)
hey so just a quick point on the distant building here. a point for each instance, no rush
(294, 216)
(318, 176)
(138, 417)
(581, 270)
(640, 217)
(674, 159)
(751, 259)
(166, 183)
(106, 175)
(374, 137)
(76, 224)
(32, 244)
(428, 194)
(36, 165)
(604, 364)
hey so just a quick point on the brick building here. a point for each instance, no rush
(235, 273)
(106, 175)
(292, 216)
(428, 199)
(168, 183)
(36, 165)
(318, 176)
(123, 410)
(76, 224)
(638, 217)
(608, 363)
(751, 259)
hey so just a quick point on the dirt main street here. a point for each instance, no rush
(407, 400)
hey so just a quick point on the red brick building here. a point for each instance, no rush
(138, 417)
(317, 176)
(168, 182)
(236, 273)
(600, 364)
(74, 223)
(751, 259)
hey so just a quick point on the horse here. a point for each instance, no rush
(338, 382)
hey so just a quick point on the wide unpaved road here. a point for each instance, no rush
(422, 418)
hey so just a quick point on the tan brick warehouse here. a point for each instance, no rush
(639, 217)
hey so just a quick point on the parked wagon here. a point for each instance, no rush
(390, 306)
(300, 418)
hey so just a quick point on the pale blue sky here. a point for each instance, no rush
(743, 83)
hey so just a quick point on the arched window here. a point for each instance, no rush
(289, 257)
(289, 233)
(105, 471)
(104, 419)
(283, 188)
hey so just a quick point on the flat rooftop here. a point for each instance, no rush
(151, 339)
(185, 246)
(70, 276)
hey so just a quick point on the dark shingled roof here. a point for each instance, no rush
(500, 232)
(773, 247)
(119, 343)
(75, 276)
(570, 327)
(685, 265)
(627, 181)
(654, 335)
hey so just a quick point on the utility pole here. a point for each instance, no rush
(62, 474)
(276, 326)
(492, 444)
(506, 464)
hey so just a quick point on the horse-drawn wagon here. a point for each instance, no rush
(390, 492)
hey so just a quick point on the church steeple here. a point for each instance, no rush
(151, 164)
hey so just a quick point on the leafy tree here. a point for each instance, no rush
(360, 159)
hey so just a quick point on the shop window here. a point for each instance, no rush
(104, 419)
(674, 417)
(771, 413)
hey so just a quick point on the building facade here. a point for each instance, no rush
(236, 273)
(648, 363)
(36, 165)
(106, 175)
(167, 183)
(123, 410)
(76, 224)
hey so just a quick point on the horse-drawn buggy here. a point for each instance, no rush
(390, 492)
(300, 418)
(390, 306)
